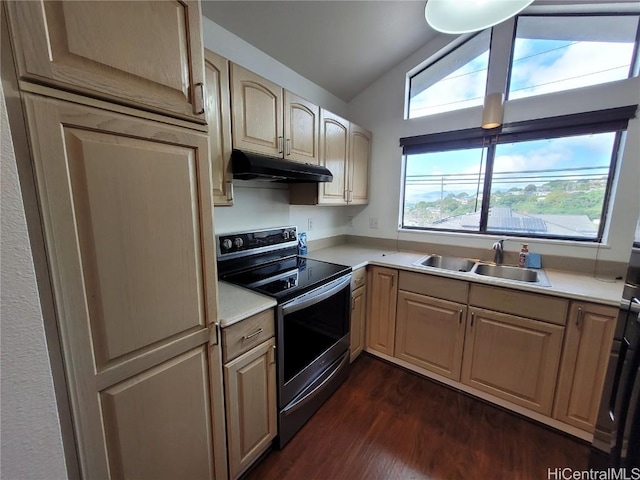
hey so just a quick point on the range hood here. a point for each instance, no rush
(252, 166)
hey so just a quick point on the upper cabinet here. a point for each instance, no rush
(219, 121)
(300, 129)
(256, 113)
(344, 150)
(146, 54)
(270, 120)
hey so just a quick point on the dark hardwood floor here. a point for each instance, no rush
(387, 423)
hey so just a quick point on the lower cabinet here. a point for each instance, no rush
(358, 311)
(250, 397)
(587, 346)
(512, 357)
(157, 423)
(430, 333)
(381, 309)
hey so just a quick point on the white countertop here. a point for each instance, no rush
(563, 284)
(237, 303)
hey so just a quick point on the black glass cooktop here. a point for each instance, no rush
(288, 277)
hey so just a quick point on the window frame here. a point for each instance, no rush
(609, 120)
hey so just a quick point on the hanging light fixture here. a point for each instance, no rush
(464, 16)
(492, 111)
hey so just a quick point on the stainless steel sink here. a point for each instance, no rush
(446, 263)
(512, 273)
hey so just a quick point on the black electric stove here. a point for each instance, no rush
(267, 262)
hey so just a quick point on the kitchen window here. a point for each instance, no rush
(549, 178)
(556, 53)
(455, 81)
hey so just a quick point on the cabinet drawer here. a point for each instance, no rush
(358, 278)
(539, 307)
(433, 286)
(243, 336)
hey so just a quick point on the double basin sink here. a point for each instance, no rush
(503, 272)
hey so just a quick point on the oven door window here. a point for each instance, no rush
(310, 332)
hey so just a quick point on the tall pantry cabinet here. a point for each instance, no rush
(126, 206)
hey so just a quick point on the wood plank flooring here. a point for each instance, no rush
(387, 423)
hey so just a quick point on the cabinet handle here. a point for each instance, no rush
(349, 196)
(280, 147)
(257, 332)
(195, 86)
(473, 316)
(273, 355)
(579, 317)
(288, 146)
(229, 191)
(460, 317)
(346, 195)
(393, 280)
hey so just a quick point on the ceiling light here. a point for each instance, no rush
(464, 16)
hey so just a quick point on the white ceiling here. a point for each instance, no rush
(343, 46)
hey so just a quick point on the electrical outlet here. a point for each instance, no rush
(374, 222)
(309, 224)
(350, 221)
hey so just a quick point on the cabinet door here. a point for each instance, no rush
(381, 309)
(358, 315)
(359, 154)
(144, 53)
(334, 152)
(301, 128)
(256, 109)
(430, 333)
(587, 345)
(513, 358)
(127, 213)
(157, 423)
(219, 121)
(251, 405)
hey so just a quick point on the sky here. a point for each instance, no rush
(540, 66)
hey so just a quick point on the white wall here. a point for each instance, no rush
(381, 109)
(30, 430)
(263, 204)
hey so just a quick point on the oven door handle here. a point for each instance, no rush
(316, 296)
(309, 396)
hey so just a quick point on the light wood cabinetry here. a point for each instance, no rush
(270, 120)
(256, 110)
(513, 358)
(219, 121)
(358, 320)
(345, 151)
(359, 154)
(127, 209)
(381, 309)
(146, 54)
(301, 121)
(250, 383)
(587, 346)
(430, 333)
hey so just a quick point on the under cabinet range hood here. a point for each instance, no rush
(252, 166)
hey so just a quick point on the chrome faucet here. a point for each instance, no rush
(499, 255)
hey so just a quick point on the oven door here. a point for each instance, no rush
(312, 332)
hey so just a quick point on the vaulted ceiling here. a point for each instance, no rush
(343, 46)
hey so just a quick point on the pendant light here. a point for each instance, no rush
(464, 16)
(492, 111)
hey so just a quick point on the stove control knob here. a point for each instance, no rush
(285, 235)
(292, 234)
(238, 242)
(226, 244)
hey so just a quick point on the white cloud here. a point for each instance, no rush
(582, 64)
